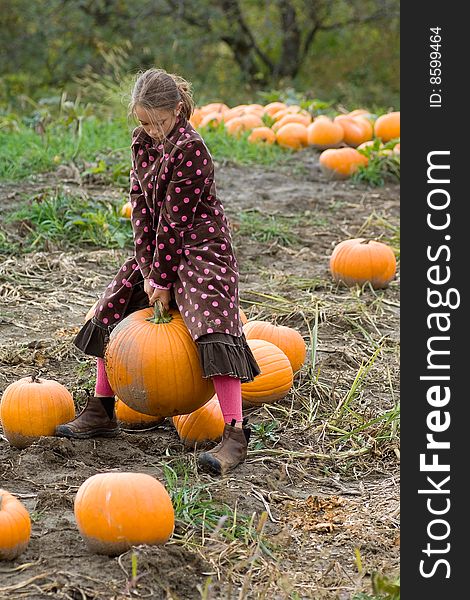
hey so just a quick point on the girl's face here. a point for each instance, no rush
(157, 123)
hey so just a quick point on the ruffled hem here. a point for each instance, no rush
(224, 354)
(92, 339)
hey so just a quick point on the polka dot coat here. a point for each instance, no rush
(182, 238)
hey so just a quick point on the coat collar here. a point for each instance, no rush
(141, 138)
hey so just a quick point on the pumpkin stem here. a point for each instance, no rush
(365, 241)
(160, 315)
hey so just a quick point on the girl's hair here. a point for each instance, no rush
(157, 89)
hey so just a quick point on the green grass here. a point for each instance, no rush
(25, 152)
(102, 146)
(267, 228)
(67, 221)
(196, 510)
(380, 168)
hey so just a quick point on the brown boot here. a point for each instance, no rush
(97, 419)
(230, 452)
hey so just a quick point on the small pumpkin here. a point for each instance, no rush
(262, 135)
(131, 419)
(126, 210)
(218, 107)
(32, 407)
(358, 261)
(196, 117)
(292, 118)
(355, 129)
(204, 424)
(274, 107)
(387, 127)
(153, 364)
(323, 134)
(15, 526)
(115, 511)
(341, 163)
(292, 136)
(276, 377)
(210, 119)
(286, 338)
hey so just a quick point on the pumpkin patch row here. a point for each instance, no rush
(294, 127)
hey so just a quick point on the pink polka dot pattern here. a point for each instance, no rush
(181, 237)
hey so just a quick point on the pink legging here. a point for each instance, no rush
(228, 390)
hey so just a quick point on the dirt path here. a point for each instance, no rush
(328, 494)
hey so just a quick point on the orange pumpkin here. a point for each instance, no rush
(15, 526)
(323, 134)
(33, 407)
(153, 364)
(204, 424)
(355, 129)
(359, 261)
(218, 107)
(126, 210)
(289, 110)
(115, 511)
(341, 163)
(387, 127)
(274, 107)
(131, 419)
(292, 135)
(210, 119)
(236, 111)
(276, 377)
(196, 117)
(243, 123)
(262, 134)
(287, 339)
(292, 118)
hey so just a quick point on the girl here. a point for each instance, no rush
(183, 255)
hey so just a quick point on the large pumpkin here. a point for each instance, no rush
(153, 364)
(287, 339)
(115, 511)
(292, 135)
(131, 419)
(341, 163)
(204, 424)
(387, 127)
(15, 526)
(359, 261)
(33, 407)
(276, 377)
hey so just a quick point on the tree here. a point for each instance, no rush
(294, 25)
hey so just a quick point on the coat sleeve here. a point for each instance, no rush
(142, 224)
(190, 176)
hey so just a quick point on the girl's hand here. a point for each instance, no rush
(155, 294)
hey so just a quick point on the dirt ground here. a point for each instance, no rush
(330, 500)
